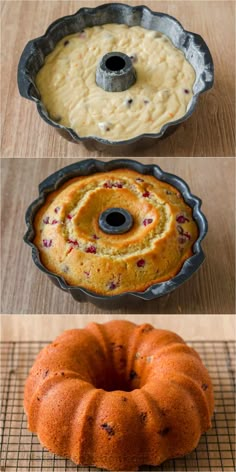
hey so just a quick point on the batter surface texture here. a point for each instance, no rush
(72, 244)
(161, 93)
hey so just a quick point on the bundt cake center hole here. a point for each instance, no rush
(116, 375)
(115, 219)
(116, 382)
(115, 63)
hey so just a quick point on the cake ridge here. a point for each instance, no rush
(156, 422)
(84, 454)
(99, 333)
(196, 389)
(134, 342)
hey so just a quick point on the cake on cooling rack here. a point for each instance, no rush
(118, 396)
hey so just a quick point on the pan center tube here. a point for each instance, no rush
(115, 221)
(115, 72)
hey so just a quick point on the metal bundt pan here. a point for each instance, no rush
(192, 45)
(92, 166)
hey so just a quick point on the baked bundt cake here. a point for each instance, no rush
(118, 396)
(73, 245)
(161, 93)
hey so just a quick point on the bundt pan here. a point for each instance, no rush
(191, 44)
(92, 166)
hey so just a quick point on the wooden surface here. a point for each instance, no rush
(209, 132)
(47, 327)
(25, 289)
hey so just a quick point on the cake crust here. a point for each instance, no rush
(118, 396)
(72, 245)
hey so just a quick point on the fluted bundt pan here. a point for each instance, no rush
(191, 44)
(92, 166)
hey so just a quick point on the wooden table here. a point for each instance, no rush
(47, 327)
(211, 290)
(209, 132)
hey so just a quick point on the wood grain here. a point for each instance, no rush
(211, 290)
(209, 132)
(47, 327)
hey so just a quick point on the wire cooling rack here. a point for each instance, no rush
(21, 451)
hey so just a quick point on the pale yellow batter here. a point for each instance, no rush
(161, 93)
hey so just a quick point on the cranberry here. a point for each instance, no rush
(129, 102)
(118, 185)
(181, 219)
(143, 417)
(184, 236)
(107, 185)
(146, 194)
(164, 432)
(110, 431)
(73, 241)
(95, 236)
(112, 286)
(47, 242)
(186, 91)
(141, 263)
(147, 221)
(56, 209)
(187, 235)
(91, 250)
(54, 222)
(134, 58)
(133, 374)
(69, 217)
(115, 184)
(46, 220)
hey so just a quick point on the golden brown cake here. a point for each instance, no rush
(72, 244)
(161, 93)
(118, 396)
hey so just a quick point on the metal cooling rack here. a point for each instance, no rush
(21, 451)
